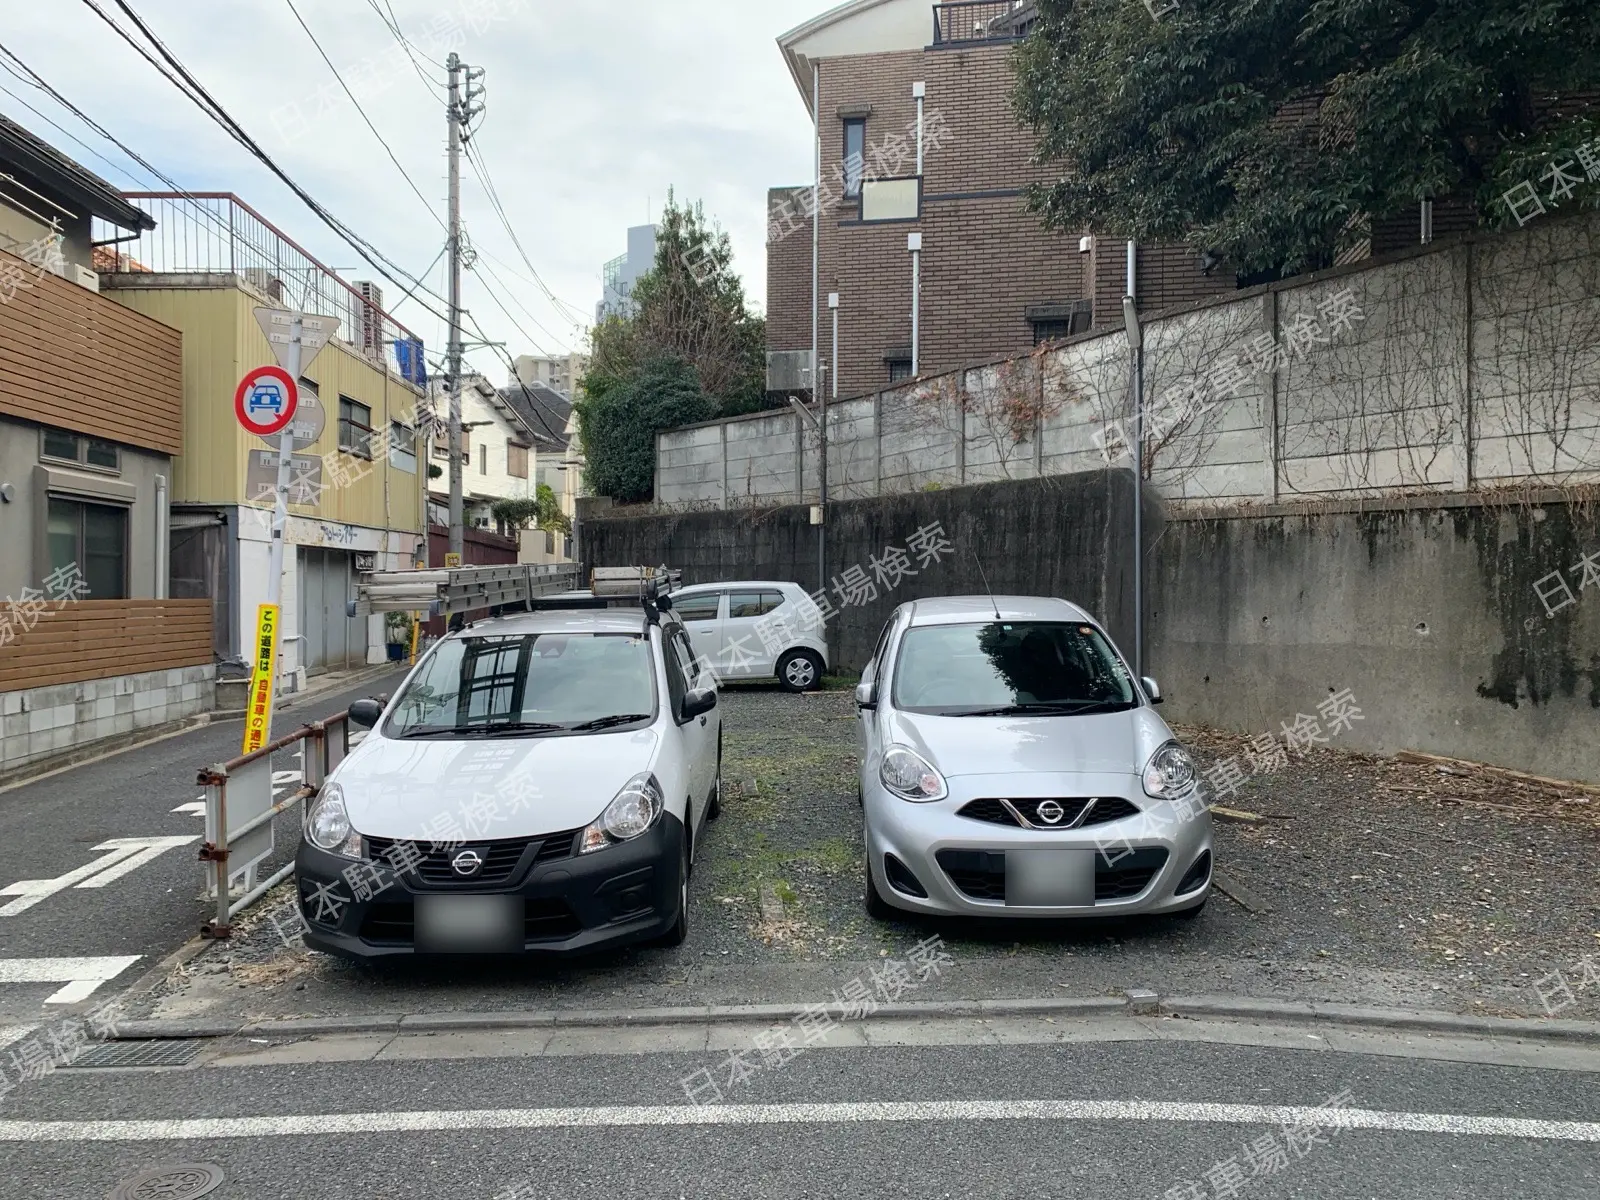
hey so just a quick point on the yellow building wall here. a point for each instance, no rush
(222, 341)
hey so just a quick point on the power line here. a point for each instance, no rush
(393, 25)
(196, 94)
(536, 322)
(387, 149)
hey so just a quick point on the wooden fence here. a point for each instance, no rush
(99, 639)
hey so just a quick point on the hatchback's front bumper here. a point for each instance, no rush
(569, 903)
(1156, 859)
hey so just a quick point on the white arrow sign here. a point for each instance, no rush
(314, 333)
(81, 975)
(122, 856)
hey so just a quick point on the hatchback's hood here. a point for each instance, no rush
(1093, 743)
(491, 788)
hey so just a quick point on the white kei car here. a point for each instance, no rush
(538, 785)
(756, 630)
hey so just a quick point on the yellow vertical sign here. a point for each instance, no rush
(258, 710)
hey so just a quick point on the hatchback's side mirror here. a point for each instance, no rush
(698, 701)
(866, 695)
(1152, 689)
(365, 713)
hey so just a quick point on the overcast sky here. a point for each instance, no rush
(594, 109)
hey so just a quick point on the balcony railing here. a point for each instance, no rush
(216, 233)
(982, 21)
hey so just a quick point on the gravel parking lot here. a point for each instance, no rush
(1366, 881)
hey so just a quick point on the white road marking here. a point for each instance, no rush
(14, 1033)
(195, 808)
(210, 1128)
(122, 856)
(80, 975)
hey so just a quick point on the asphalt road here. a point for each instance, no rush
(1088, 1119)
(144, 906)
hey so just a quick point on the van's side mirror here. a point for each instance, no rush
(698, 701)
(365, 713)
(1152, 689)
(866, 695)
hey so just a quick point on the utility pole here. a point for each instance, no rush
(461, 110)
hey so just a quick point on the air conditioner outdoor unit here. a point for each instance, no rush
(84, 277)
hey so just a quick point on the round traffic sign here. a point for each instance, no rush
(266, 400)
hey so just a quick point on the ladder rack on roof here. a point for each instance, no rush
(445, 591)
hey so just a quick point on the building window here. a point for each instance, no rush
(899, 369)
(94, 537)
(1049, 331)
(1051, 322)
(516, 461)
(355, 427)
(402, 438)
(855, 154)
(83, 451)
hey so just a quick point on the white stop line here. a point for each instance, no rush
(121, 856)
(212, 1128)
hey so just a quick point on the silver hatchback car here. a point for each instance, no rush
(1012, 766)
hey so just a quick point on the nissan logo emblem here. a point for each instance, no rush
(468, 862)
(1050, 812)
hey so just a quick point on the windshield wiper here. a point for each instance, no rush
(423, 731)
(607, 722)
(1041, 709)
(506, 728)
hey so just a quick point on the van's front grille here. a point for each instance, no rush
(501, 859)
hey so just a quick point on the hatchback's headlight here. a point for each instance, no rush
(910, 776)
(328, 824)
(1169, 773)
(630, 814)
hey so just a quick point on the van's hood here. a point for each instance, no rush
(1117, 743)
(491, 787)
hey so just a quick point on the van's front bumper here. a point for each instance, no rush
(1157, 859)
(572, 904)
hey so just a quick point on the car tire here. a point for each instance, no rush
(878, 908)
(679, 932)
(714, 805)
(800, 671)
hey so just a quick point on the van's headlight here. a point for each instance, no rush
(328, 824)
(1169, 773)
(633, 810)
(910, 776)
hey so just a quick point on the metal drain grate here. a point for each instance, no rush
(165, 1053)
(183, 1182)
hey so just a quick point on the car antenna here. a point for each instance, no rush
(986, 586)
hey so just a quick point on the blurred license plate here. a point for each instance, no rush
(469, 924)
(1050, 878)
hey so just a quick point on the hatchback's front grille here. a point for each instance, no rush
(981, 874)
(501, 859)
(1049, 812)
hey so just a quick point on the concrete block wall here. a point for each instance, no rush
(1444, 369)
(40, 723)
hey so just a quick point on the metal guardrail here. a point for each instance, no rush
(240, 812)
(979, 21)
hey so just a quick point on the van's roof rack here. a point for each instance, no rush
(446, 591)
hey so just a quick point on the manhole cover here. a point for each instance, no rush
(139, 1054)
(169, 1183)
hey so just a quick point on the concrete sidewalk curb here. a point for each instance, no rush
(1300, 1012)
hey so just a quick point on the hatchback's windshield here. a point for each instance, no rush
(531, 683)
(1011, 666)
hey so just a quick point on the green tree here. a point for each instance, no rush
(539, 511)
(1273, 131)
(619, 417)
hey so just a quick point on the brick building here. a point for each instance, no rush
(991, 280)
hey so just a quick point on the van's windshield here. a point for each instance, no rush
(1010, 667)
(528, 684)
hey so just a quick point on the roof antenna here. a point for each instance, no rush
(986, 586)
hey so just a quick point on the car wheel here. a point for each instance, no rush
(714, 806)
(680, 928)
(878, 908)
(799, 671)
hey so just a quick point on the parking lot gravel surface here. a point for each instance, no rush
(1365, 880)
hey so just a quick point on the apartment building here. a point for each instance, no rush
(619, 275)
(926, 252)
(559, 372)
(356, 497)
(91, 422)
